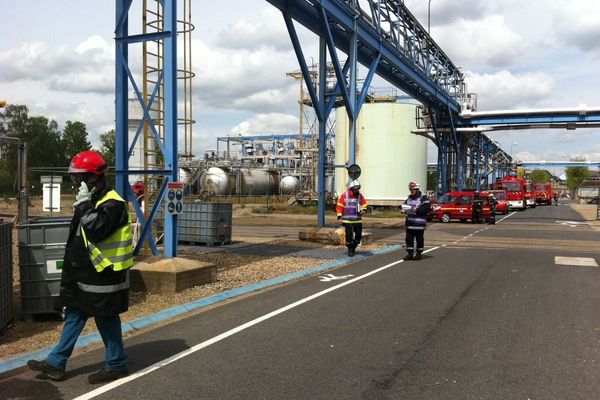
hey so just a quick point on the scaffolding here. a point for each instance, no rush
(153, 67)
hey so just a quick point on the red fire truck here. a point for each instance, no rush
(543, 193)
(518, 191)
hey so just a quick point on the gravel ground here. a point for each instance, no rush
(234, 269)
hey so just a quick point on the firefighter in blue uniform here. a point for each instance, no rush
(416, 207)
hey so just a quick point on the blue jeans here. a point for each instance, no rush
(110, 331)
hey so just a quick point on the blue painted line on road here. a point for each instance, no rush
(169, 313)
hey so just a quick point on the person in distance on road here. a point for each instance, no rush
(416, 207)
(350, 208)
(94, 279)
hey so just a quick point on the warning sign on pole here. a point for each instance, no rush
(174, 197)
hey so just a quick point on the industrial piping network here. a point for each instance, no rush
(384, 36)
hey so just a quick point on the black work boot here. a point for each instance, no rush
(350, 252)
(418, 255)
(42, 366)
(409, 256)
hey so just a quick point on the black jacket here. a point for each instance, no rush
(100, 223)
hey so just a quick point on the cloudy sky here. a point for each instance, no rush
(57, 58)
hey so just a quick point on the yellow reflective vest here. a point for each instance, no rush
(116, 251)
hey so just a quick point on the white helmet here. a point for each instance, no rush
(354, 184)
(414, 185)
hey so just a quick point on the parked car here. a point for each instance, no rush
(459, 205)
(502, 206)
(593, 200)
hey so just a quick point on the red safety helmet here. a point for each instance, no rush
(88, 162)
(138, 188)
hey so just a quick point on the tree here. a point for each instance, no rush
(107, 150)
(74, 139)
(108, 147)
(540, 176)
(44, 152)
(13, 121)
(576, 175)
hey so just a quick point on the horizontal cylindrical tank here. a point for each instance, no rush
(245, 182)
(216, 181)
(289, 184)
(258, 182)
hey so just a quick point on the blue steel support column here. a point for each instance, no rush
(440, 188)
(322, 129)
(170, 104)
(121, 111)
(486, 163)
(478, 163)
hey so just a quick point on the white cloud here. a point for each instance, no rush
(577, 23)
(267, 31)
(488, 42)
(504, 90)
(89, 67)
(445, 12)
(262, 124)
(244, 79)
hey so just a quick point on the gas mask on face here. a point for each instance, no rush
(88, 179)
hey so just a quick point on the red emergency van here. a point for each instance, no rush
(459, 205)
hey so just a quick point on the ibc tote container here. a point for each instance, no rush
(42, 243)
(6, 275)
(207, 223)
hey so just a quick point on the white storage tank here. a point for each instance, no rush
(388, 154)
(289, 184)
(258, 182)
(216, 181)
(136, 161)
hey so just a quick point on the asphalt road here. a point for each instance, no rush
(505, 311)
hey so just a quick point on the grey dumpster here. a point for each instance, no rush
(42, 243)
(6, 275)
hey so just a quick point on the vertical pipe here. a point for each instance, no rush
(170, 77)
(352, 91)
(22, 182)
(322, 127)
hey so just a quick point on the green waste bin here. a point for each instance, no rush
(42, 243)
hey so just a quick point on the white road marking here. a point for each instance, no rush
(577, 261)
(573, 224)
(332, 277)
(231, 332)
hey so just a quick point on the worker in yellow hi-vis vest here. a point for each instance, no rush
(95, 274)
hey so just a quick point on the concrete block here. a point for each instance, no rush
(171, 275)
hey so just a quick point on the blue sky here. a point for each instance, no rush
(57, 58)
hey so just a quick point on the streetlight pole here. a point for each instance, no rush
(429, 17)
